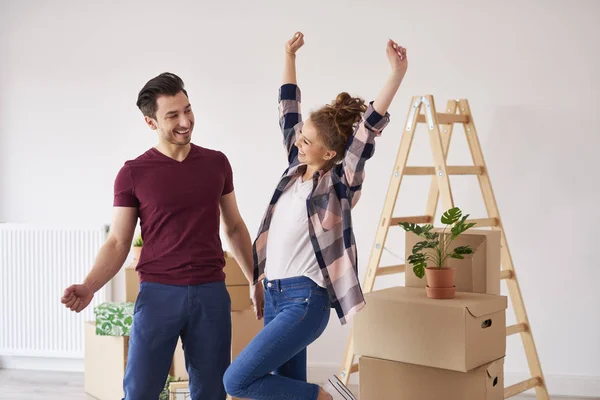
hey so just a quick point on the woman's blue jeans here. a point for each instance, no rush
(273, 365)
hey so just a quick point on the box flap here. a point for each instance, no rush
(492, 304)
(477, 304)
(495, 368)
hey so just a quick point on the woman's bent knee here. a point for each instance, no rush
(233, 382)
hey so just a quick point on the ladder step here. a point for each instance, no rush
(522, 387)
(446, 119)
(483, 222)
(421, 219)
(394, 269)
(506, 274)
(354, 368)
(451, 170)
(517, 328)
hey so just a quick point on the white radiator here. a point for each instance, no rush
(36, 264)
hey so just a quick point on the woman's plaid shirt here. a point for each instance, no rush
(335, 193)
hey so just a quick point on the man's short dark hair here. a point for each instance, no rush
(165, 84)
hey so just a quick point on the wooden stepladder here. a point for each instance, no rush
(439, 127)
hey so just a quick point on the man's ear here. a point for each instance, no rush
(151, 123)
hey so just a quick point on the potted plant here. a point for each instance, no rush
(430, 255)
(137, 248)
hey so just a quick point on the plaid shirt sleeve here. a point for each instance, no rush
(361, 148)
(290, 118)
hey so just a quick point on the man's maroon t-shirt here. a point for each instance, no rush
(178, 205)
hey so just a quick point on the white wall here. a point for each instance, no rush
(70, 73)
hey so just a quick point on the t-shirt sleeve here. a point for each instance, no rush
(228, 186)
(124, 191)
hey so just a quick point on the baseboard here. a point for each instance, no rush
(562, 385)
(558, 385)
(42, 363)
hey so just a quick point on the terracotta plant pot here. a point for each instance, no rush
(440, 282)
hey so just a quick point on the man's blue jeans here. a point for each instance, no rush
(201, 315)
(296, 313)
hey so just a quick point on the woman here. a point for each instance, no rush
(306, 248)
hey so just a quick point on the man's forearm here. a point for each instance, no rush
(109, 261)
(241, 248)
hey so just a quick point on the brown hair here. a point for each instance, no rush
(164, 84)
(335, 122)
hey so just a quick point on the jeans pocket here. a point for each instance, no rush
(296, 294)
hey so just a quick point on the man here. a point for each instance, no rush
(180, 192)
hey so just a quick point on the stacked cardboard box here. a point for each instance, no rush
(414, 347)
(106, 349)
(237, 284)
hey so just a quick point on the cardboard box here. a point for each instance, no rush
(233, 272)
(240, 297)
(105, 358)
(244, 327)
(381, 379)
(403, 324)
(132, 284)
(477, 273)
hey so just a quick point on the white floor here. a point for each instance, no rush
(43, 385)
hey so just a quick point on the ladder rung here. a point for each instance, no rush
(421, 219)
(445, 119)
(452, 170)
(521, 387)
(518, 328)
(394, 269)
(483, 222)
(354, 368)
(506, 274)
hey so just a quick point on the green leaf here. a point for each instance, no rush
(419, 270)
(419, 263)
(416, 258)
(451, 216)
(418, 247)
(463, 250)
(460, 251)
(424, 245)
(431, 235)
(128, 320)
(426, 228)
(461, 227)
(416, 229)
(409, 227)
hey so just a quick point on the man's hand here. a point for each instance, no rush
(77, 297)
(294, 43)
(257, 294)
(397, 56)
